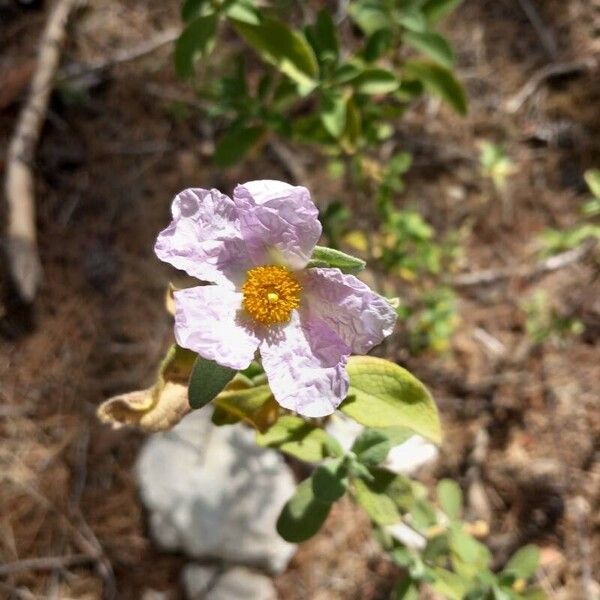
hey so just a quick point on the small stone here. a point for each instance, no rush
(242, 584)
(197, 579)
(212, 493)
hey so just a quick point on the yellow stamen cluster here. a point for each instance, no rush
(270, 294)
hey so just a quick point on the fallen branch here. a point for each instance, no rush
(46, 563)
(548, 265)
(123, 56)
(514, 103)
(21, 248)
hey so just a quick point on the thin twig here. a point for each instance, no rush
(46, 563)
(123, 56)
(548, 265)
(289, 160)
(561, 69)
(543, 32)
(22, 252)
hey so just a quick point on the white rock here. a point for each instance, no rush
(197, 579)
(407, 458)
(211, 492)
(408, 536)
(237, 583)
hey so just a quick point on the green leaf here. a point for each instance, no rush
(450, 498)
(303, 514)
(243, 11)
(380, 507)
(369, 16)
(407, 589)
(524, 562)
(440, 81)
(467, 548)
(192, 8)
(222, 417)
(435, 10)
(330, 481)
(235, 144)
(422, 514)
(255, 405)
(352, 133)
(378, 44)
(375, 81)
(283, 47)
(324, 37)
(298, 438)
(412, 19)
(357, 469)
(333, 113)
(592, 178)
(396, 435)
(208, 378)
(432, 44)
(328, 257)
(437, 547)
(385, 497)
(347, 72)
(371, 447)
(534, 593)
(382, 394)
(449, 584)
(195, 40)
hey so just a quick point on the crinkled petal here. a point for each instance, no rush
(359, 316)
(279, 222)
(305, 363)
(209, 321)
(204, 238)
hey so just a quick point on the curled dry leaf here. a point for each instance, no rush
(159, 407)
(152, 409)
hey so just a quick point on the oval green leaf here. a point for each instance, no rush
(382, 394)
(432, 44)
(207, 380)
(440, 81)
(195, 40)
(330, 481)
(235, 144)
(450, 498)
(371, 447)
(524, 562)
(283, 47)
(303, 514)
(376, 81)
(328, 257)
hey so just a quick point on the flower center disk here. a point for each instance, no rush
(270, 294)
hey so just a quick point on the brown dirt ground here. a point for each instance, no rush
(107, 169)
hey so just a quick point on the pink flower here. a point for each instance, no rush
(304, 322)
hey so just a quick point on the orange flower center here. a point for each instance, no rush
(270, 294)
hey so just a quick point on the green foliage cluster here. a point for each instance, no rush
(441, 551)
(312, 89)
(560, 240)
(392, 405)
(543, 321)
(341, 83)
